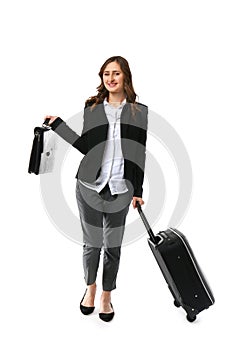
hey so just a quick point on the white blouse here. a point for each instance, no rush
(112, 167)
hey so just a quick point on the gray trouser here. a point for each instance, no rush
(102, 218)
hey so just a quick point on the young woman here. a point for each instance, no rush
(110, 175)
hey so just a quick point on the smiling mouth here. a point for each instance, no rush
(112, 84)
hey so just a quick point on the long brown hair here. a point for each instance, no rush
(128, 84)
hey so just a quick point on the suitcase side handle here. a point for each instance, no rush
(146, 223)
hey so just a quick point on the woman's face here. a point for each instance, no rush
(113, 78)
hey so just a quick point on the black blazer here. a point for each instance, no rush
(94, 134)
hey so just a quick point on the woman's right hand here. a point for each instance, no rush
(51, 118)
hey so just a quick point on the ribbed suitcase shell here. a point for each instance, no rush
(180, 269)
(181, 272)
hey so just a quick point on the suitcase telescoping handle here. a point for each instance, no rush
(146, 223)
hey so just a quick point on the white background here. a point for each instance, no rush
(180, 54)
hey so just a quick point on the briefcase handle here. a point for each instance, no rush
(146, 223)
(46, 123)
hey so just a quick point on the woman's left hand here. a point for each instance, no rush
(137, 199)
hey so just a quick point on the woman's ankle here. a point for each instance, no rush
(106, 295)
(91, 287)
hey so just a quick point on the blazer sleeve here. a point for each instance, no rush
(62, 129)
(141, 153)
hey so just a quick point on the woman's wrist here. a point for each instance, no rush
(55, 123)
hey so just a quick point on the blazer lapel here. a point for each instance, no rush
(104, 118)
(125, 117)
(125, 120)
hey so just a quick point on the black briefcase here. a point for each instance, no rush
(42, 155)
(180, 269)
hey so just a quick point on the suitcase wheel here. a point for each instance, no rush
(176, 303)
(191, 318)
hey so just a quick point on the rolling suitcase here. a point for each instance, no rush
(180, 269)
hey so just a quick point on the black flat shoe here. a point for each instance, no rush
(107, 317)
(86, 310)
